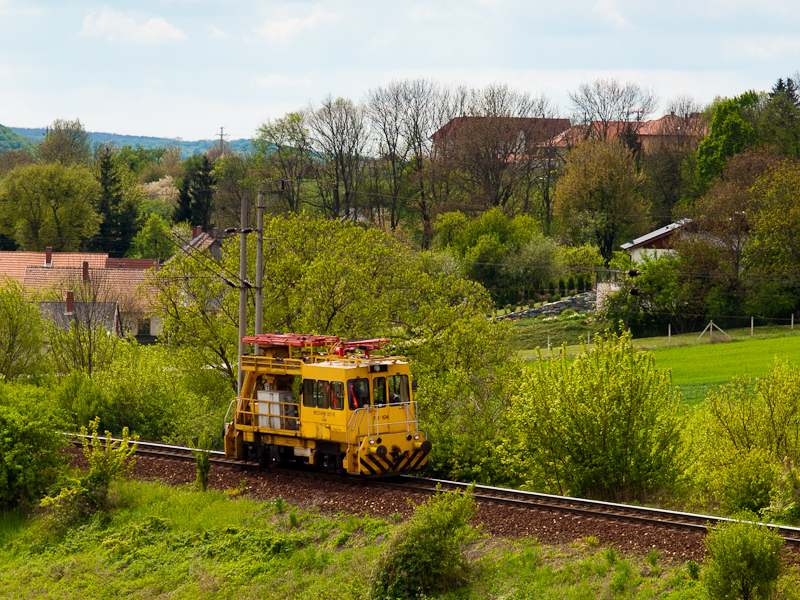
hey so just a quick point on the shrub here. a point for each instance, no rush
(84, 496)
(606, 424)
(744, 561)
(30, 458)
(202, 461)
(426, 555)
(747, 482)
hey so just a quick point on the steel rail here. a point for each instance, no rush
(591, 508)
(646, 515)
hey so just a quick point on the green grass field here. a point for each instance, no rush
(698, 365)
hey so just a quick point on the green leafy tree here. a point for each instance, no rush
(154, 240)
(20, 332)
(326, 277)
(598, 196)
(283, 146)
(744, 562)
(605, 425)
(732, 129)
(49, 205)
(67, 143)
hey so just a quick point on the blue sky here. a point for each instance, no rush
(185, 68)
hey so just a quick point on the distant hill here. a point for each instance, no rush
(11, 140)
(35, 135)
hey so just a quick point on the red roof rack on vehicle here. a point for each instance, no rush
(291, 339)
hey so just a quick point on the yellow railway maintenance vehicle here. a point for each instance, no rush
(326, 402)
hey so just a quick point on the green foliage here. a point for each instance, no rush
(88, 494)
(743, 433)
(67, 143)
(20, 332)
(464, 410)
(730, 132)
(598, 196)
(49, 205)
(426, 555)
(604, 425)
(195, 200)
(10, 140)
(744, 562)
(153, 240)
(30, 459)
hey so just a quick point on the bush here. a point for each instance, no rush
(82, 497)
(30, 458)
(744, 562)
(426, 555)
(605, 425)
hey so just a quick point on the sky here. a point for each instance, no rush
(186, 68)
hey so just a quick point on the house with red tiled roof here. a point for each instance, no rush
(14, 263)
(669, 129)
(533, 129)
(127, 288)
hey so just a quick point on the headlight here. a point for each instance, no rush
(371, 441)
(416, 436)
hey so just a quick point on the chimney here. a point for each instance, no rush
(70, 303)
(197, 230)
(86, 271)
(48, 256)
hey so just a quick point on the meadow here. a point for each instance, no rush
(698, 364)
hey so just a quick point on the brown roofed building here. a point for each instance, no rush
(127, 288)
(14, 263)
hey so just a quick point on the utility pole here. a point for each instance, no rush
(259, 268)
(242, 288)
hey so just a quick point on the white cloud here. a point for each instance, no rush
(286, 27)
(609, 11)
(120, 27)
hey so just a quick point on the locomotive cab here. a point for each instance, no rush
(327, 403)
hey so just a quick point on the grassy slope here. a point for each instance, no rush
(177, 543)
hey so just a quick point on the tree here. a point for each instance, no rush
(495, 147)
(66, 143)
(326, 277)
(605, 425)
(744, 562)
(20, 332)
(235, 182)
(732, 129)
(153, 241)
(49, 205)
(775, 248)
(598, 195)
(196, 195)
(339, 134)
(117, 204)
(86, 339)
(283, 147)
(781, 118)
(606, 106)
(668, 163)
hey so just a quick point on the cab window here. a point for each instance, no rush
(336, 395)
(398, 389)
(309, 386)
(358, 392)
(379, 391)
(322, 395)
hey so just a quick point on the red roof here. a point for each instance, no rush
(14, 264)
(123, 285)
(535, 127)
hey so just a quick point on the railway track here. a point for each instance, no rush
(486, 495)
(697, 523)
